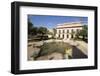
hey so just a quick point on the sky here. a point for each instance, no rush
(50, 21)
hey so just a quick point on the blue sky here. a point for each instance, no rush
(52, 21)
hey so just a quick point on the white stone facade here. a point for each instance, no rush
(68, 30)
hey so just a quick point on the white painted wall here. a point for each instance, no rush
(5, 41)
(66, 33)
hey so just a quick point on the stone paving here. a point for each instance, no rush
(83, 46)
(33, 48)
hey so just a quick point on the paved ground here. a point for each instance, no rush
(80, 49)
(31, 51)
(77, 53)
(83, 46)
(33, 48)
(53, 56)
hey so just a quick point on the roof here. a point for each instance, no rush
(69, 25)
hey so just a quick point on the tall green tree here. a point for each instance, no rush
(34, 31)
(83, 33)
(30, 27)
(54, 32)
(42, 30)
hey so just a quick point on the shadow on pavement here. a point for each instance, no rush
(77, 53)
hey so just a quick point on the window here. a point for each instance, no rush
(63, 31)
(77, 30)
(72, 36)
(67, 36)
(63, 35)
(72, 30)
(67, 31)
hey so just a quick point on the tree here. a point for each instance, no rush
(34, 31)
(30, 27)
(55, 31)
(42, 31)
(83, 33)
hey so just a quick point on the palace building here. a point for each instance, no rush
(68, 30)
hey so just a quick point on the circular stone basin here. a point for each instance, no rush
(48, 49)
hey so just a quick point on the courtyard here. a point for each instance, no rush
(57, 37)
(79, 50)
